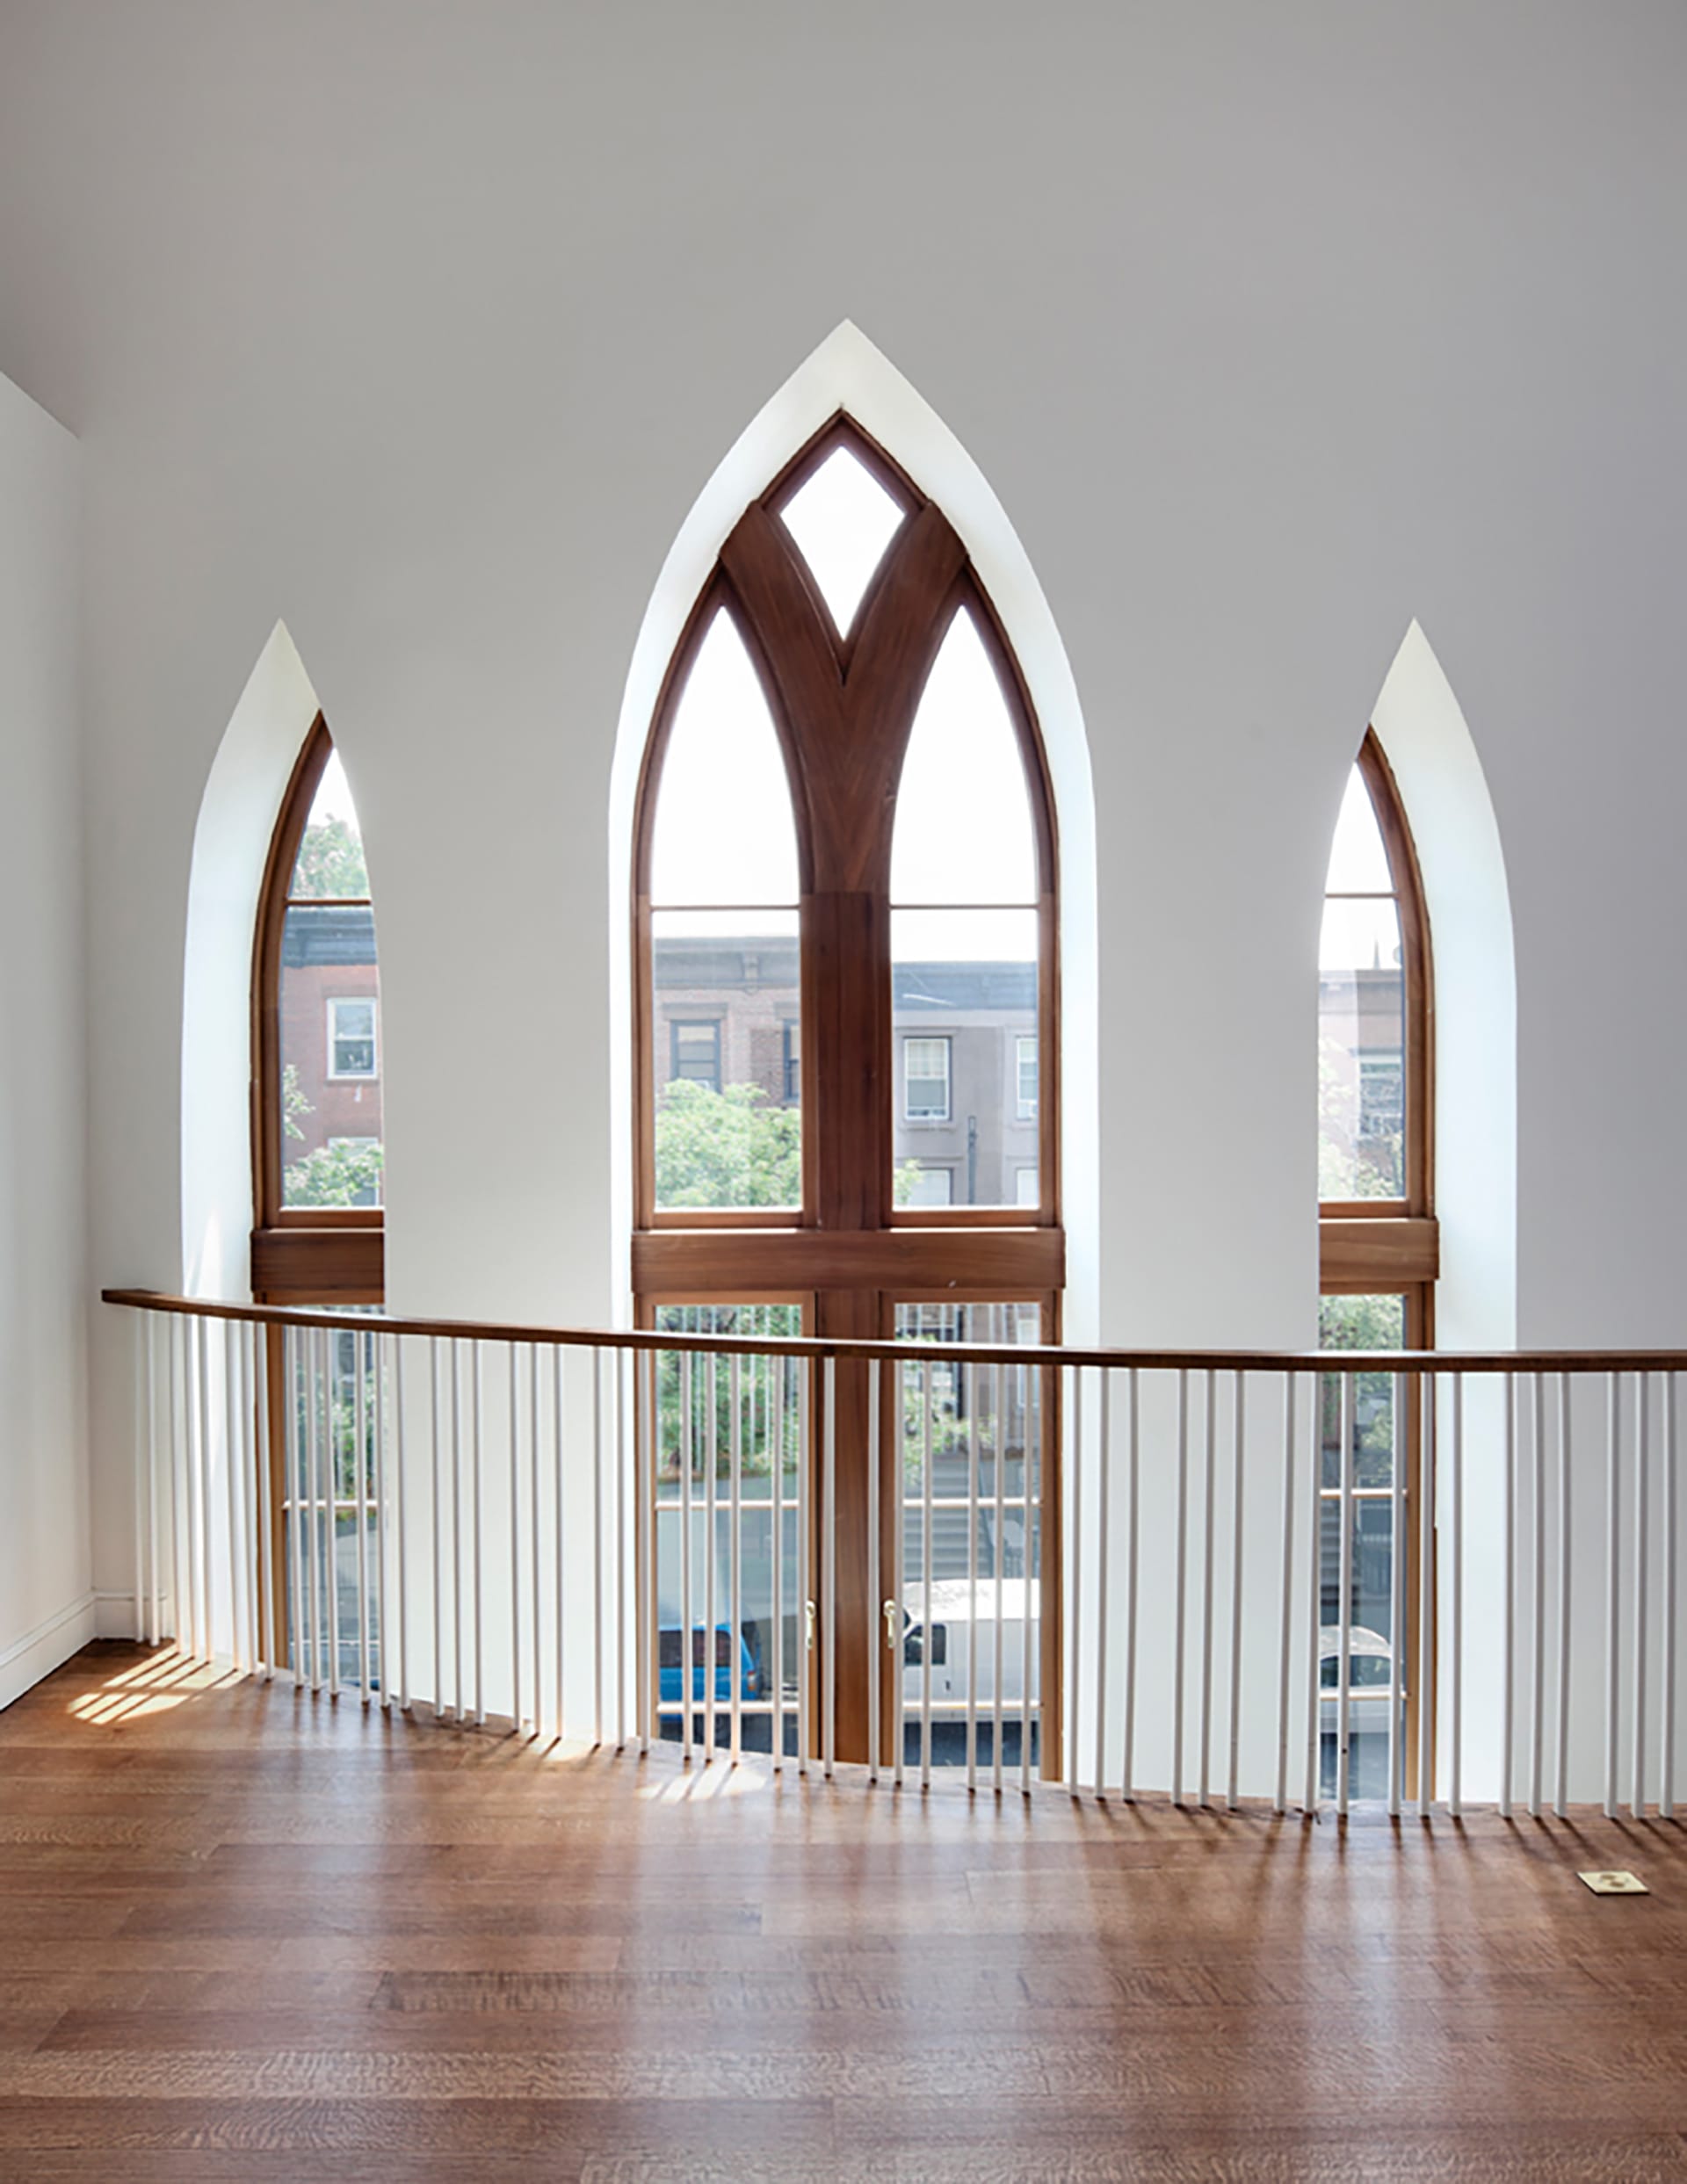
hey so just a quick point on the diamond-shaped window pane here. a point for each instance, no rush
(842, 519)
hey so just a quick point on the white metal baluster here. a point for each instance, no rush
(477, 1417)
(1233, 1782)
(688, 1646)
(711, 1528)
(1538, 1605)
(1209, 1517)
(875, 1666)
(206, 1495)
(1074, 1615)
(360, 1433)
(1613, 1575)
(645, 1542)
(1424, 1606)
(383, 1645)
(805, 1567)
(330, 1343)
(264, 1506)
(598, 1584)
(1103, 1557)
(1280, 1801)
(156, 1619)
(235, 1496)
(1344, 1603)
(181, 1514)
(621, 1364)
(401, 1469)
(458, 1620)
(735, 1519)
(967, 1379)
(1508, 1630)
(1642, 1465)
(1456, 1616)
(515, 1539)
(1180, 1588)
(1398, 1634)
(1127, 1784)
(623, 1373)
(437, 1532)
(1560, 1802)
(142, 1469)
(1033, 1440)
(925, 1573)
(293, 1354)
(777, 1364)
(1667, 1752)
(829, 1519)
(313, 1339)
(536, 1542)
(1313, 1802)
(999, 1434)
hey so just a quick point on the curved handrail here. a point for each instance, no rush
(1411, 1362)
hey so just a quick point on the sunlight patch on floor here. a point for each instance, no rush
(153, 1686)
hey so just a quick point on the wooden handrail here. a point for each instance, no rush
(1413, 1362)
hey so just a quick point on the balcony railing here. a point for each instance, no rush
(1313, 1579)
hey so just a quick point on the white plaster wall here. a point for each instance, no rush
(423, 328)
(47, 1607)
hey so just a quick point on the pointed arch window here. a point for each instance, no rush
(318, 1059)
(1379, 1251)
(847, 1068)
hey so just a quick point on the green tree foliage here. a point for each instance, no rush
(335, 1175)
(330, 861)
(726, 1148)
(1368, 1167)
(1361, 1323)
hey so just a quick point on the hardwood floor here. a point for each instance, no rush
(245, 1934)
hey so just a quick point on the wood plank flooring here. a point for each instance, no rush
(250, 1935)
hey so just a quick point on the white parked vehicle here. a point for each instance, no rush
(1370, 1672)
(964, 1644)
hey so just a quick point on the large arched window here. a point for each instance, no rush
(316, 1050)
(846, 1010)
(1380, 1248)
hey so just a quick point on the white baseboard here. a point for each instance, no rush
(37, 1652)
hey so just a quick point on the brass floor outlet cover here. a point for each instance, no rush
(1615, 1884)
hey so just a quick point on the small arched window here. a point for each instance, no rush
(1380, 1252)
(317, 1060)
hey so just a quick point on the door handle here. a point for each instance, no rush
(808, 1617)
(890, 1625)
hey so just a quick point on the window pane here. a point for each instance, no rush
(756, 1649)
(964, 993)
(842, 519)
(331, 849)
(724, 831)
(931, 1186)
(1358, 1323)
(963, 817)
(1361, 1051)
(725, 1000)
(330, 1046)
(1359, 862)
(979, 1541)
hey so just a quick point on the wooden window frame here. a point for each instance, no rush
(299, 1254)
(842, 709)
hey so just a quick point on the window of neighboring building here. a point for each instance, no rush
(925, 1080)
(931, 1186)
(1024, 1186)
(1025, 1053)
(793, 1063)
(696, 1052)
(351, 1036)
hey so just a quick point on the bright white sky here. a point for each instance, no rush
(333, 798)
(1358, 936)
